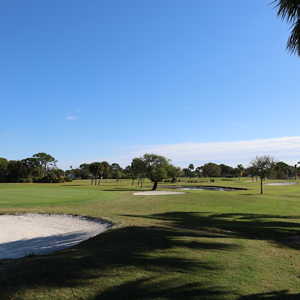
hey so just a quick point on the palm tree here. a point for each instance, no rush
(290, 11)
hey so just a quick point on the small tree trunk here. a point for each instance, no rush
(261, 186)
(154, 186)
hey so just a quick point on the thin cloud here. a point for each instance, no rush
(283, 148)
(71, 117)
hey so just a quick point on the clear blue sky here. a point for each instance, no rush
(92, 80)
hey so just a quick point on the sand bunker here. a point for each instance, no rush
(157, 193)
(22, 235)
(281, 183)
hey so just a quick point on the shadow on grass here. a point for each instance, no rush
(279, 295)
(119, 251)
(167, 289)
(273, 228)
(143, 259)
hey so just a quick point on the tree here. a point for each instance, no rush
(226, 171)
(128, 173)
(281, 170)
(84, 171)
(94, 170)
(173, 172)
(211, 170)
(156, 168)
(104, 170)
(240, 169)
(45, 161)
(262, 166)
(198, 171)
(116, 171)
(138, 169)
(32, 167)
(186, 172)
(290, 11)
(16, 171)
(3, 168)
(191, 170)
(54, 176)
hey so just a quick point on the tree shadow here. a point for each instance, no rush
(143, 257)
(149, 288)
(278, 295)
(273, 228)
(40, 245)
(116, 251)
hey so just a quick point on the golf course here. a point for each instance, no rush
(202, 244)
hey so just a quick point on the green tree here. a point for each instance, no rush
(16, 171)
(138, 169)
(45, 161)
(116, 171)
(198, 171)
(94, 170)
(32, 167)
(211, 170)
(191, 169)
(156, 168)
(281, 170)
(173, 172)
(84, 171)
(3, 168)
(104, 170)
(290, 11)
(240, 170)
(262, 166)
(226, 171)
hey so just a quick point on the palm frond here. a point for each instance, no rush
(288, 9)
(293, 43)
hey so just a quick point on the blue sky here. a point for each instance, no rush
(107, 80)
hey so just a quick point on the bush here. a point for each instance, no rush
(25, 180)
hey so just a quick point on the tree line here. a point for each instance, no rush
(41, 167)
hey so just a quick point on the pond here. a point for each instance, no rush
(205, 187)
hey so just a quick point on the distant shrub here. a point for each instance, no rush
(26, 180)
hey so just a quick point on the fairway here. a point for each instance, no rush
(198, 245)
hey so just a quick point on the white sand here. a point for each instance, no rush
(157, 193)
(281, 183)
(22, 235)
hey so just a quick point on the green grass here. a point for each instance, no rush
(200, 245)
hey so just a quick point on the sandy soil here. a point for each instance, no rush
(22, 235)
(157, 193)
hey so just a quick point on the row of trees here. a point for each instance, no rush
(41, 167)
(279, 170)
(103, 170)
(151, 166)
